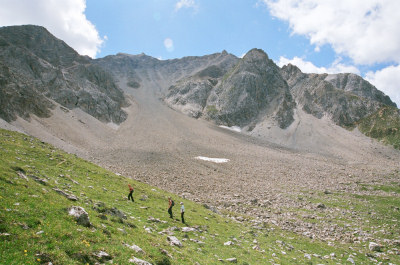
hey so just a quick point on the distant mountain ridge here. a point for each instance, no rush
(345, 98)
(38, 70)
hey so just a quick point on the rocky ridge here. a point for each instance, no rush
(38, 71)
(255, 89)
(345, 98)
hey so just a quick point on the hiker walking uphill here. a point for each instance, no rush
(170, 205)
(130, 193)
(182, 212)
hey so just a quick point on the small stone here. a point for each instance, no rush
(144, 198)
(374, 246)
(232, 260)
(188, 229)
(154, 220)
(256, 248)
(307, 256)
(228, 243)
(122, 230)
(39, 180)
(102, 256)
(134, 248)
(139, 261)
(174, 241)
(351, 260)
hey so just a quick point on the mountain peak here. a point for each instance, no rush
(291, 68)
(42, 43)
(256, 54)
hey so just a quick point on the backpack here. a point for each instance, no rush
(172, 203)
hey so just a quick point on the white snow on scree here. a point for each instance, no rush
(215, 160)
(233, 128)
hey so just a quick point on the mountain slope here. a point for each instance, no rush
(37, 69)
(383, 125)
(40, 184)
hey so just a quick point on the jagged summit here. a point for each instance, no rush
(256, 54)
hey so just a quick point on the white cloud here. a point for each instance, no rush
(169, 44)
(367, 31)
(185, 3)
(64, 19)
(309, 67)
(388, 81)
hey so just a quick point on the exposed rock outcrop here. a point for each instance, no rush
(345, 98)
(37, 70)
(240, 95)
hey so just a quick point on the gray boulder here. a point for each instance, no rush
(174, 241)
(81, 216)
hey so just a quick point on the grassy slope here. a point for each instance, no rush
(28, 207)
(383, 125)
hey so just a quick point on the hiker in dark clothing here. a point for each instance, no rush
(170, 205)
(130, 193)
(182, 212)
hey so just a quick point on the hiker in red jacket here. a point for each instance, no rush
(130, 193)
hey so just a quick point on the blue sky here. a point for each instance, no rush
(205, 27)
(358, 36)
(208, 27)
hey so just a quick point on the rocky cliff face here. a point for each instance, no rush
(239, 94)
(345, 98)
(254, 89)
(37, 69)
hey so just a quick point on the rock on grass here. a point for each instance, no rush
(137, 261)
(174, 241)
(81, 216)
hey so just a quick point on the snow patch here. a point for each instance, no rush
(113, 125)
(233, 128)
(215, 160)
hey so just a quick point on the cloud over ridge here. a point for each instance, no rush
(64, 19)
(365, 30)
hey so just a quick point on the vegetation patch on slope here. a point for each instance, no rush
(383, 125)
